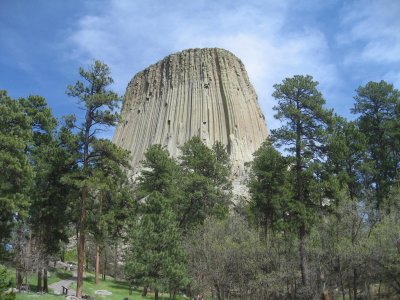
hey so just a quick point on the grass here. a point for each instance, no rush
(119, 289)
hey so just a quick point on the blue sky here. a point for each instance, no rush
(342, 44)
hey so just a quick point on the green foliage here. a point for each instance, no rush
(303, 136)
(304, 120)
(92, 154)
(378, 106)
(16, 175)
(269, 187)
(50, 205)
(160, 173)
(155, 256)
(94, 95)
(5, 284)
(205, 182)
(227, 255)
(347, 147)
(173, 199)
(197, 187)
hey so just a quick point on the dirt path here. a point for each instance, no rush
(57, 287)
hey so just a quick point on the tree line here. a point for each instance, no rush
(322, 218)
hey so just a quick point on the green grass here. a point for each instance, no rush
(119, 289)
(24, 296)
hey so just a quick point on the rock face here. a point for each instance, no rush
(196, 92)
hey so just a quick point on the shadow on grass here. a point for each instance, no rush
(63, 275)
(119, 285)
(89, 279)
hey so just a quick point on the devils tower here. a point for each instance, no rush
(196, 92)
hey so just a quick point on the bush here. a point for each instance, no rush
(5, 284)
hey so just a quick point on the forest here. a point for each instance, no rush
(322, 220)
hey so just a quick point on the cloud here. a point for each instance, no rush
(130, 35)
(372, 29)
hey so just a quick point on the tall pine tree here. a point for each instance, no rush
(302, 135)
(99, 105)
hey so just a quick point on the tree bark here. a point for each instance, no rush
(218, 290)
(97, 243)
(39, 281)
(300, 198)
(81, 243)
(18, 277)
(104, 266)
(45, 280)
(353, 242)
(355, 283)
(116, 260)
(144, 293)
(97, 263)
(156, 294)
(18, 263)
(303, 259)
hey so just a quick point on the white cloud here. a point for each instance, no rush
(372, 29)
(129, 36)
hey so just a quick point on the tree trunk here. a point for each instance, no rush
(144, 293)
(116, 260)
(97, 263)
(325, 295)
(156, 294)
(18, 277)
(300, 197)
(81, 243)
(39, 281)
(87, 257)
(355, 283)
(97, 244)
(218, 290)
(104, 266)
(303, 259)
(353, 242)
(45, 280)
(18, 258)
(379, 290)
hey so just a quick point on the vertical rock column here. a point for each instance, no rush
(196, 92)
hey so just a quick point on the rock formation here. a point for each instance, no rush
(196, 92)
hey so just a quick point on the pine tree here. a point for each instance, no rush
(111, 196)
(17, 174)
(205, 182)
(99, 104)
(303, 137)
(156, 257)
(378, 106)
(269, 187)
(49, 207)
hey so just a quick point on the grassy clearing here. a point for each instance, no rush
(119, 289)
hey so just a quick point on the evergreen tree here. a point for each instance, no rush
(111, 196)
(17, 174)
(156, 257)
(378, 106)
(303, 137)
(99, 104)
(205, 182)
(160, 173)
(5, 285)
(49, 208)
(269, 187)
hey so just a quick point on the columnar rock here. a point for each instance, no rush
(196, 92)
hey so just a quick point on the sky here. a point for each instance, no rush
(342, 44)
